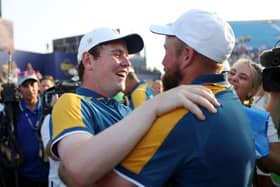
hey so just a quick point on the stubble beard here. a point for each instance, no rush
(171, 79)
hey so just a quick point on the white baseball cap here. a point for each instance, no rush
(203, 31)
(101, 35)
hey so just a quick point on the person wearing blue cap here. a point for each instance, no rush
(179, 150)
(26, 114)
(91, 131)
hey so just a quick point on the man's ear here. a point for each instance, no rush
(188, 55)
(86, 61)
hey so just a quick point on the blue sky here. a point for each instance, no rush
(37, 22)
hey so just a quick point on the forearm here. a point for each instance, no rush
(93, 157)
(87, 158)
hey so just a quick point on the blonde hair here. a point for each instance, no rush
(257, 77)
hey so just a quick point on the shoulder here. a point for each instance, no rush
(68, 99)
(67, 102)
(254, 112)
(258, 119)
(172, 117)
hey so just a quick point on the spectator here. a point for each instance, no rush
(32, 171)
(14, 73)
(157, 86)
(136, 91)
(88, 134)
(4, 76)
(246, 77)
(46, 82)
(29, 71)
(53, 179)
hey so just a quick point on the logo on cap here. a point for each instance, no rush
(89, 40)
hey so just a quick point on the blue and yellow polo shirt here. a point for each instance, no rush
(86, 111)
(181, 150)
(139, 94)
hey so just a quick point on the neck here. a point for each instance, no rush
(31, 104)
(99, 90)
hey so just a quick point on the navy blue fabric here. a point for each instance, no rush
(98, 113)
(217, 152)
(32, 166)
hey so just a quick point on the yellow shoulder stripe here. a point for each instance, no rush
(151, 142)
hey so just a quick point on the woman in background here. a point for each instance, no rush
(246, 78)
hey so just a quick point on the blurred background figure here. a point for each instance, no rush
(46, 82)
(137, 91)
(29, 70)
(14, 73)
(4, 74)
(73, 72)
(157, 86)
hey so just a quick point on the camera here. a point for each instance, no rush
(60, 88)
(270, 59)
(8, 93)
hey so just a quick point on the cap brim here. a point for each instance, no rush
(226, 67)
(162, 29)
(134, 43)
(21, 81)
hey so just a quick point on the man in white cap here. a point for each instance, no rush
(86, 153)
(180, 150)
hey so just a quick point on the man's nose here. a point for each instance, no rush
(126, 62)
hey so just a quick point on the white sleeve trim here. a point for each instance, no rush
(129, 179)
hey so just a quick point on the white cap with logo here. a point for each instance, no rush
(203, 31)
(101, 35)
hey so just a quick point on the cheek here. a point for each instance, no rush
(167, 59)
(36, 86)
(245, 85)
(243, 89)
(229, 78)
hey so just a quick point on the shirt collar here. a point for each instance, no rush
(23, 105)
(211, 78)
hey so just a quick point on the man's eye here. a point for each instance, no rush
(117, 55)
(231, 73)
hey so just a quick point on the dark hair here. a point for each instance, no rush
(95, 52)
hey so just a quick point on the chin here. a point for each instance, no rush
(121, 87)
